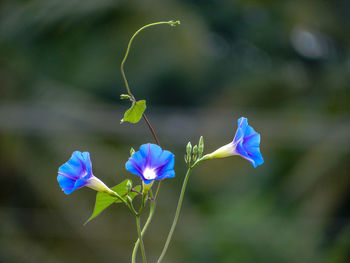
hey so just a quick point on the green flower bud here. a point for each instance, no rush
(195, 152)
(200, 147)
(132, 151)
(128, 186)
(174, 23)
(188, 148)
(124, 96)
(188, 152)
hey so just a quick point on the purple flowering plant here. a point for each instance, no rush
(151, 163)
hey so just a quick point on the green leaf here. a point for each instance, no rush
(104, 200)
(134, 113)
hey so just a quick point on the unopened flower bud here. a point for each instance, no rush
(200, 147)
(128, 186)
(195, 152)
(188, 152)
(124, 96)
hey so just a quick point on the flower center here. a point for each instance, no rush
(149, 174)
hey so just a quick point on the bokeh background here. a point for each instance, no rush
(285, 65)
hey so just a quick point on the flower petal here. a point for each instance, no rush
(248, 145)
(151, 152)
(80, 183)
(68, 191)
(151, 157)
(240, 150)
(241, 129)
(135, 164)
(74, 173)
(75, 166)
(165, 162)
(167, 174)
(252, 140)
(65, 182)
(146, 181)
(87, 162)
(256, 156)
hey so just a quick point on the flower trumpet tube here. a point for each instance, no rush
(246, 143)
(151, 163)
(77, 173)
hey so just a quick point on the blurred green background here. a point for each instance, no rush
(285, 65)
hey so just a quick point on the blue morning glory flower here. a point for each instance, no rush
(151, 162)
(246, 143)
(77, 173)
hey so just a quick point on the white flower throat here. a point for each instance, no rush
(149, 174)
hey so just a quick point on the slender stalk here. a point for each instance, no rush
(114, 194)
(151, 128)
(141, 241)
(171, 23)
(131, 206)
(157, 192)
(176, 217)
(152, 209)
(132, 98)
(144, 229)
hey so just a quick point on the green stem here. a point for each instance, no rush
(157, 192)
(153, 204)
(144, 229)
(151, 128)
(178, 209)
(132, 98)
(143, 202)
(148, 221)
(141, 241)
(131, 206)
(114, 194)
(171, 23)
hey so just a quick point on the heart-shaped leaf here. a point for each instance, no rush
(104, 200)
(134, 113)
